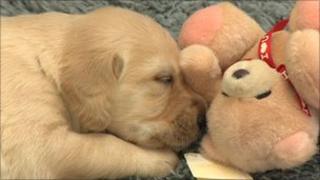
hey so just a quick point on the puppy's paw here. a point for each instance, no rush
(158, 163)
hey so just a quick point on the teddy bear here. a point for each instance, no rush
(262, 88)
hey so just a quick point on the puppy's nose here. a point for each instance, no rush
(240, 73)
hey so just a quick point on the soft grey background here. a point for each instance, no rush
(171, 14)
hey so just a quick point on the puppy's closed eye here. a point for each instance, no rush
(165, 79)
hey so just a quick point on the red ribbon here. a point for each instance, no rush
(264, 53)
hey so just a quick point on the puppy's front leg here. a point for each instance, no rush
(103, 155)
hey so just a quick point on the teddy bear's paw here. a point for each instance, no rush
(201, 26)
(294, 150)
(224, 28)
(305, 14)
(208, 151)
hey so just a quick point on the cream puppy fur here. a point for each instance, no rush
(66, 76)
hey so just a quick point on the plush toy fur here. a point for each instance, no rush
(255, 121)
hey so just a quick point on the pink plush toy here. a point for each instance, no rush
(259, 119)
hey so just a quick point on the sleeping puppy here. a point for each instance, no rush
(68, 79)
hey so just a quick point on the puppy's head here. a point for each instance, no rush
(151, 105)
(120, 73)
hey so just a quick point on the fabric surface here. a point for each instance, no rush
(171, 14)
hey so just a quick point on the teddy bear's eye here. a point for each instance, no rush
(263, 95)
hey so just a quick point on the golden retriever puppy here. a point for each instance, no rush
(66, 80)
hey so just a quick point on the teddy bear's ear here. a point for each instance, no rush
(305, 14)
(302, 61)
(224, 28)
(201, 70)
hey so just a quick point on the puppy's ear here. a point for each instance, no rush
(117, 65)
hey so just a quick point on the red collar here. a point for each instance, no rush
(264, 53)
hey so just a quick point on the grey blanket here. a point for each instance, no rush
(171, 14)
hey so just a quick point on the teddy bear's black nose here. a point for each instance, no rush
(240, 73)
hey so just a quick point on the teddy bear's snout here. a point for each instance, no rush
(247, 79)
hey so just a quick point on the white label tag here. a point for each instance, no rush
(203, 169)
